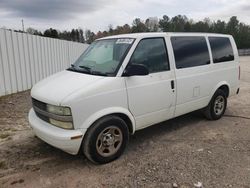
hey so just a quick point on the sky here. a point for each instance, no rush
(99, 14)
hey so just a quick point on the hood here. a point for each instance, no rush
(55, 88)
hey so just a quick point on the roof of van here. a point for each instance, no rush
(161, 34)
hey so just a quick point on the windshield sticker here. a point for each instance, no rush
(124, 41)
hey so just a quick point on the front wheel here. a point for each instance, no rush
(217, 106)
(106, 140)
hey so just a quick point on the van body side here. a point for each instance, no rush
(137, 80)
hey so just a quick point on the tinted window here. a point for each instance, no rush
(190, 51)
(151, 53)
(221, 49)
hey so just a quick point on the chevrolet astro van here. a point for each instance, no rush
(124, 83)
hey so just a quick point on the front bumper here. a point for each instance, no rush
(66, 140)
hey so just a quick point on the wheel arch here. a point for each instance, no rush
(117, 111)
(225, 86)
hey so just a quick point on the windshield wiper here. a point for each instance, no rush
(92, 71)
(73, 68)
(85, 67)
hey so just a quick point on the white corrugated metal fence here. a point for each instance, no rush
(25, 59)
(243, 52)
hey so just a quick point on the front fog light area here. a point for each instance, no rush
(61, 124)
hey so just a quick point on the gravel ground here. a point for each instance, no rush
(179, 152)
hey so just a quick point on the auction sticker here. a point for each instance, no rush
(124, 41)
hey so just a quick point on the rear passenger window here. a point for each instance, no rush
(152, 53)
(222, 50)
(190, 51)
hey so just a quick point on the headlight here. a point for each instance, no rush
(60, 116)
(61, 124)
(59, 110)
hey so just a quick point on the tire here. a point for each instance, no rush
(106, 140)
(217, 106)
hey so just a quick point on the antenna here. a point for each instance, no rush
(23, 25)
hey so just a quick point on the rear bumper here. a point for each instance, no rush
(57, 137)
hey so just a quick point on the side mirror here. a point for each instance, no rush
(136, 70)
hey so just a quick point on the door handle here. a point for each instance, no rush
(172, 84)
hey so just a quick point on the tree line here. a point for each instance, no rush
(179, 23)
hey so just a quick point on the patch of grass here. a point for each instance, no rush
(13, 130)
(4, 135)
(3, 165)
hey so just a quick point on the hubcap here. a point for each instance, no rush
(109, 141)
(219, 105)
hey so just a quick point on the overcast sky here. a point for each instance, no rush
(98, 14)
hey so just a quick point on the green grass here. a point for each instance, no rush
(3, 165)
(4, 135)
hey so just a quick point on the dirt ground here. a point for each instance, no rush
(182, 151)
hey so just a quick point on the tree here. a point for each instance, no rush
(110, 29)
(232, 26)
(81, 37)
(90, 36)
(243, 39)
(65, 35)
(77, 38)
(188, 27)
(138, 26)
(219, 27)
(52, 33)
(99, 34)
(164, 23)
(177, 23)
(33, 31)
(73, 35)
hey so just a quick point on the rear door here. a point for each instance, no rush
(151, 97)
(225, 62)
(193, 72)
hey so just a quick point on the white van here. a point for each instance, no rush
(124, 83)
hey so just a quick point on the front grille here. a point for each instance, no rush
(39, 104)
(42, 106)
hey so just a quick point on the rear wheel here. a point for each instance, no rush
(106, 140)
(217, 106)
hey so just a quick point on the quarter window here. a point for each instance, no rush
(152, 53)
(190, 51)
(222, 50)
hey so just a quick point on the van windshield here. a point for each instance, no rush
(103, 57)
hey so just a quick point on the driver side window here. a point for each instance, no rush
(152, 53)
